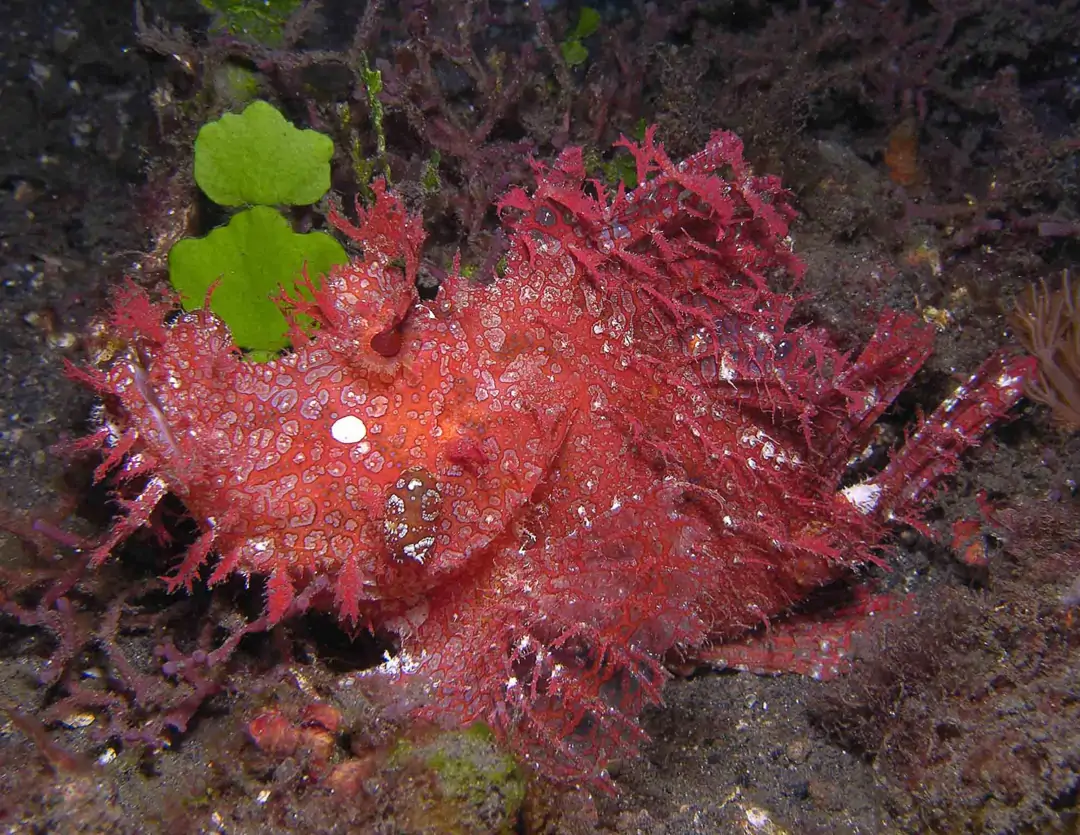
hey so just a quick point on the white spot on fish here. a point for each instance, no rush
(348, 430)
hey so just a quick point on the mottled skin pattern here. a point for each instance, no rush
(543, 484)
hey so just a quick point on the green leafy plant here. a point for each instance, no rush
(430, 179)
(622, 167)
(365, 167)
(261, 21)
(373, 84)
(573, 50)
(259, 157)
(256, 255)
(234, 85)
(256, 159)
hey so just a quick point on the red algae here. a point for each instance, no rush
(543, 484)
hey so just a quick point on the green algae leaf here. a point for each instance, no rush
(260, 21)
(255, 256)
(234, 85)
(574, 53)
(473, 776)
(573, 50)
(587, 23)
(259, 157)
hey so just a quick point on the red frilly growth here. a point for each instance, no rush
(544, 484)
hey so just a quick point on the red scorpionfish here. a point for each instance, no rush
(543, 484)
